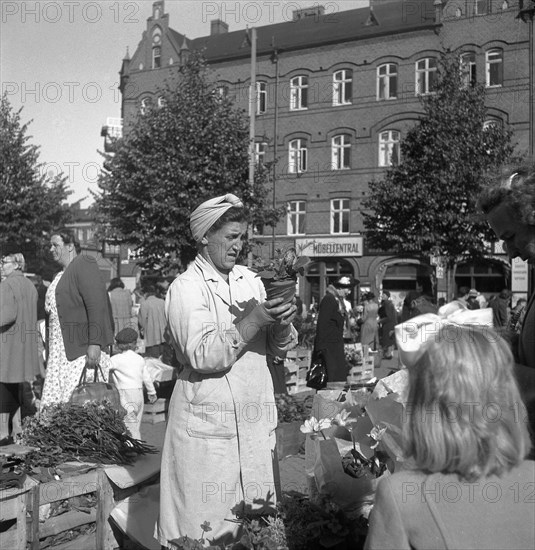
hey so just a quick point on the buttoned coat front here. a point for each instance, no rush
(84, 308)
(19, 334)
(219, 444)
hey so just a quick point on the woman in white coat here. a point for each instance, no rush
(218, 453)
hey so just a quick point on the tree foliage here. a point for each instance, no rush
(30, 203)
(174, 157)
(426, 204)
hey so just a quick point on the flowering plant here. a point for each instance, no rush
(314, 426)
(297, 524)
(287, 265)
(353, 356)
(289, 409)
(366, 459)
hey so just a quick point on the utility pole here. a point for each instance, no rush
(252, 108)
(252, 120)
(527, 14)
(275, 60)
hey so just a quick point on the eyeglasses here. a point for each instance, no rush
(8, 261)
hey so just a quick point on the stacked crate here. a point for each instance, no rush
(297, 362)
(156, 412)
(364, 371)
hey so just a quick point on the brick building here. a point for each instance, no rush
(335, 94)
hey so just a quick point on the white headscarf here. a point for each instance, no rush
(206, 214)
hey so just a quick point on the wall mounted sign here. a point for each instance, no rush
(330, 246)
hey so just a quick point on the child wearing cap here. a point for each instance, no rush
(129, 373)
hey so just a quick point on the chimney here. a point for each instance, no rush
(439, 8)
(217, 26)
(304, 13)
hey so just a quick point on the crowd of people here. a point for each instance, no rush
(72, 324)
(219, 453)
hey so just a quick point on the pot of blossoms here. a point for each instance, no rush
(366, 463)
(279, 275)
(290, 412)
(348, 462)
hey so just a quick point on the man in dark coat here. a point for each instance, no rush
(499, 310)
(332, 317)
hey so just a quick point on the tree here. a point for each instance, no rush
(31, 204)
(426, 204)
(192, 148)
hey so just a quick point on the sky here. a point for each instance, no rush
(59, 61)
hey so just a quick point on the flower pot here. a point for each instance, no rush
(280, 289)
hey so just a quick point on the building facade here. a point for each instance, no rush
(336, 92)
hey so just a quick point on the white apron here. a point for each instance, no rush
(219, 446)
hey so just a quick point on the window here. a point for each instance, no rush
(296, 217)
(261, 97)
(145, 105)
(492, 126)
(341, 152)
(387, 81)
(220, 93)
(494, 67)
(339, 216)
(426, 73)
(505, 5)
(468, 68)
(342, 87)
(481, 7)
(299, 93)
(389, 148)
(161, 102)
(458, 12)
(260, 148)
(156, 57)
(297, 156)
(492, 122)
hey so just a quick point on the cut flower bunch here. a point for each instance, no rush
(94, 432)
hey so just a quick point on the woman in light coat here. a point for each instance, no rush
(369, 328)
(219, 450)
(19, 337)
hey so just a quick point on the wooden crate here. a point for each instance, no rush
(69, 487)
(297, 362)
(15, 504)
(362, 372)
(155, 412)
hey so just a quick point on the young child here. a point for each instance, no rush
(465, 431)
(129, 373)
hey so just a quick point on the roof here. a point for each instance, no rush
(309, 32)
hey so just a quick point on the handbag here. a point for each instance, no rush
(317, 373)
(98, 390)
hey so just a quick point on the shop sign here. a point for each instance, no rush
(519, 275)
(330, 246)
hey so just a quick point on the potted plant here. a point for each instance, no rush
(279, 275)
(291, 414)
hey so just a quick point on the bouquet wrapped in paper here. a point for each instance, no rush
(346, 461)
(386, 406)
